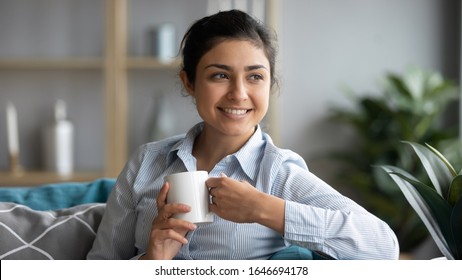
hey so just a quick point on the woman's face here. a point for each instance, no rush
(232, 88)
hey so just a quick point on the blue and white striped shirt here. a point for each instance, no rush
(316, 216)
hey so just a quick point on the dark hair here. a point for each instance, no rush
(205, 33)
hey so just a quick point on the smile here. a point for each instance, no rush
(235, 111)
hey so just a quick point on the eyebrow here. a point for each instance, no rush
(228, 68)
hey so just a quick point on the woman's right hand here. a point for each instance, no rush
(167, 233)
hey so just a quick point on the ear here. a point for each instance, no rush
(186, 84)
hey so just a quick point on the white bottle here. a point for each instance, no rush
(59, 142)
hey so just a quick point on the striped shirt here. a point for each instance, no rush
(316, 215)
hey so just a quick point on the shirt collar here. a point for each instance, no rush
(248, 156)
(183, 148)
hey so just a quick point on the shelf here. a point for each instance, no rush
(51, 63)
(115, 62)
(83, 63)
(151, 63)
(35, 178)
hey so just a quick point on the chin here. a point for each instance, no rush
(236, 132)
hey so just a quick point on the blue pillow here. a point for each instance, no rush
(59, 195)
(297, 253)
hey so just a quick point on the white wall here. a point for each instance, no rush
(330, 44)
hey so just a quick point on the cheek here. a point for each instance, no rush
(263, 99)
(204, 100)
(210, 93)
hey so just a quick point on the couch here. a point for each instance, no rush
(53, 221)
(59, 221)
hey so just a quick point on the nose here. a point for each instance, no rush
(238, 90)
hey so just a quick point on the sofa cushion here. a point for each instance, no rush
(64, 234)
(298, 253)
(59, 195)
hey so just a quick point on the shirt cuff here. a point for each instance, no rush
(305, 224)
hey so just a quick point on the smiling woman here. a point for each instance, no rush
(264, 198)
(231, 92)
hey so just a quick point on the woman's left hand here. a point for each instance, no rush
(240, 202)
(234, 200)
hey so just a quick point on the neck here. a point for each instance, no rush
(209, 149)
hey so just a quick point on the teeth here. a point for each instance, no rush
(235, 111)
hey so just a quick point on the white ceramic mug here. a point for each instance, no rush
(189, 188)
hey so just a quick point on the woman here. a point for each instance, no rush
(264, 198)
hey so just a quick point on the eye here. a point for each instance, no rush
(256, 77)
(219, 76)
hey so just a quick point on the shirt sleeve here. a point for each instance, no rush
(115, 237)
(320, 218)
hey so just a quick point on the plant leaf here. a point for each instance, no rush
(456, 227)
(440, 209)
(440, 155)
(455, 191)
(436, 169)
(421, 207)
(399, 85)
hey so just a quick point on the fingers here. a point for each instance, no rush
(217, 186)
(215, 182)
(212, 200)
(165, 210)
(162, 197)
(161, 236)
(166, 227)
(168, 233)
(174, 229)
(220, 185)
(169, 210)
(164, 219)
(213, 208)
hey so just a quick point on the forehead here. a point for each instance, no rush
(235, 52)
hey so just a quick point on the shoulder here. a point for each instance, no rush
(152, 153)
(160, 147)
(280, 156)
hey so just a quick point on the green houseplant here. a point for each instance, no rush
(439, 205)
(409, 107)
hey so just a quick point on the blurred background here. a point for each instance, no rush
(350, 71)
